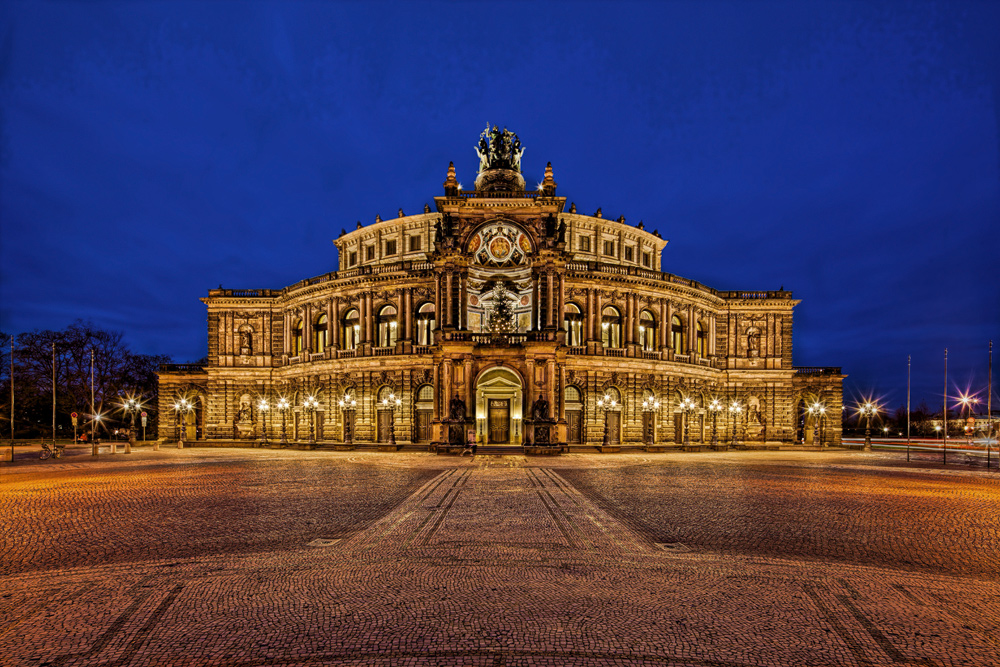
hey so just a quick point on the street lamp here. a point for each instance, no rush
(263, 406)
(735, 409)
(687, 407)
(714, 407)
(183, 406)
(130, 407)
(283, 409)
(868, 410)
(347, 405)
(817, 411)
(391, 403)
(651, 405)
(310, 404)
(607, 404)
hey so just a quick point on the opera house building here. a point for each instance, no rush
(503, 315)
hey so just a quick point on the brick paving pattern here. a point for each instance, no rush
(251, 557)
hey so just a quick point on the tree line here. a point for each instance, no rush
(118, 374)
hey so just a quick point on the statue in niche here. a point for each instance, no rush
(456, 409)
(753, 342)
(540, 409)
(246, 343)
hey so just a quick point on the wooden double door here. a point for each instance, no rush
(498, 421)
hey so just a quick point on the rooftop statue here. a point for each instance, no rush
(499, 149)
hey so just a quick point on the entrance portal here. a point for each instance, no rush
(498, 407)
(499, 421)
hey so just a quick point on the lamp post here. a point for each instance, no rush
(734, 410)
(391, 403)
(817, 410)
(310, 404)
(347, 405)
(651, 405)
(687, 407)
(263, 406)
(182, 407)
(283, 409)
(868, 410)
(131, 406)
(714, 407)
(607, 404)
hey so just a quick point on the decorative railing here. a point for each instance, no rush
(182, 368)
(649, 354)
(817, 370)
(648, 274)
(614, 352)
(520, 194)
(383, 351)
(499, 339)
(576, 350)
(346, 354)
(423, 349)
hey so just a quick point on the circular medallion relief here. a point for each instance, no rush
(500, 245)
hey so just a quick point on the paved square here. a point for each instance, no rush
(261, 557)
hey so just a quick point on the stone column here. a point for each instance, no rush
(550, 379)
(335, 323)
(307, 329)
(692, 334)
(711, 336)
(529, 392)
(470, 391)
(408, 300)
(664, 322)
(438, 313)
(549, 286)
(448, 298)
(369, 318)
(463, 316)
(286, 333)
(446, 387)
(560, 314)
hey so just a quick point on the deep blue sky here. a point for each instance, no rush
(848, 152)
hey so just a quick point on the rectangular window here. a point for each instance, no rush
(390, 247)
(584, 244)
(609, 248)
(647, 259)
(414, 244)
(629, 254)
(352, 258)
(369, 253)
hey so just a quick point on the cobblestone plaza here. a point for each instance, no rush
(282, 557)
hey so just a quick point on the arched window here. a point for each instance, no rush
(297, 338)
(677, 335)
(351, 326)
(320, 333)
(647, 331)
(387, 326)
(573, 323)
(611, 327)
(702, 341)
(425, 324)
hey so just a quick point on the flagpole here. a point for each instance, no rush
(93, 415)
(53, 396)
(12, 398)
(907, 408)
(944, 414)
(989, 407)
